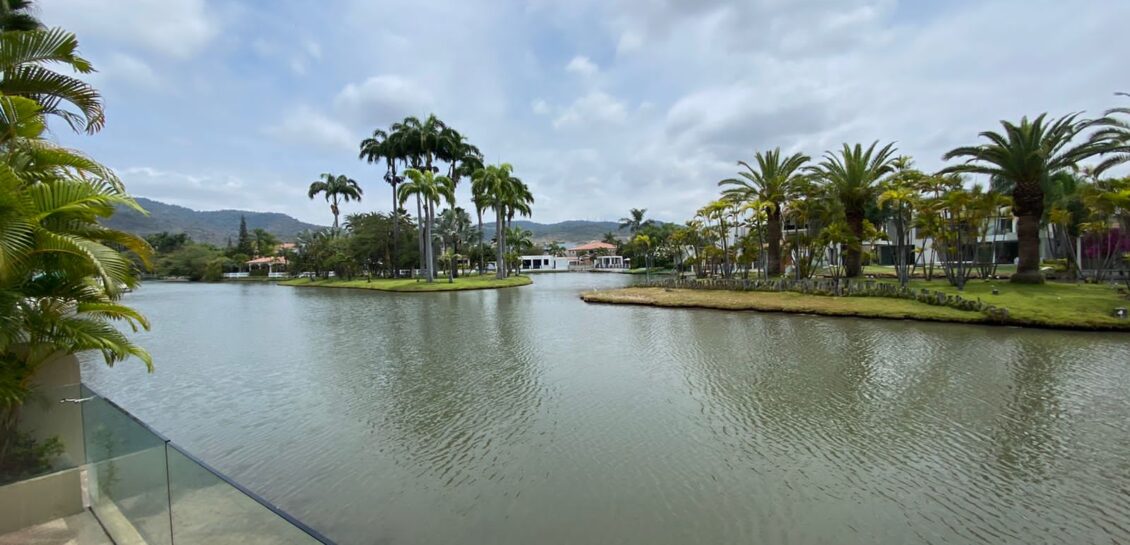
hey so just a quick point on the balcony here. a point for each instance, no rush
(119, 481)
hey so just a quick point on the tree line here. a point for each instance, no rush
(424, 161)
(790, 214)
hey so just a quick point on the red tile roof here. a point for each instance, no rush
(594, 245)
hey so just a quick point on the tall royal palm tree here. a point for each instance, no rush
(382, 146)
(24, 56)
(422, 142)
(853, 177)
(1021, 161)
(492, 183)
(431, 189)
(336, 188)
(772, 183)
(634, 220)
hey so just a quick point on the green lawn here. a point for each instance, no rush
(1053, 305)
(888, 271)
(412, 285)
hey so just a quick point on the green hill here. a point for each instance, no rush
(568, 232)
(214, 226)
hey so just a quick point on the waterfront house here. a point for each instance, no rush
(546, 262)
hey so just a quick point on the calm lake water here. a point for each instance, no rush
(526, 416)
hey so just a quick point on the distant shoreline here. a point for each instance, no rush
(411, 285)
(859, 307)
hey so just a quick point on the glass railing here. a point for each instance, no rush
(146, 489)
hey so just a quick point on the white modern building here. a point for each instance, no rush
(546, 262)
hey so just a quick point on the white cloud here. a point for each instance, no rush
(582, 65)
(382, 99)
(691, 87)
(126, 68)
(177, 28)
(595, 108)
(305, 126)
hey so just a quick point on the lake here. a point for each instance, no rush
(526, 416)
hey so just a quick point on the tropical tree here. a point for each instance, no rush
(852, 177)
(634, 221)
(772, 183)
(454, 228)
(431, 189)
(264, 242)
(1021, 161)
(17, 15)
(498, 188)
(23, 57)
(62, 272)
(382, 146)
(336, 188)
(1114, 135)
(900, 196)
(488, 185)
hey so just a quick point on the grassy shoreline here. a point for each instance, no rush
(410, 285)
(1052, 306)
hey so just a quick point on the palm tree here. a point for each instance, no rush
(22, 73)
(517, 240)
(772, 183)
(382, 146)
(634, 222)
(555, 248)
(853, 178)
(335, 188)
(482, 202)
(429, 188)
(422, 142)
(62, 272)
(16, 15)
(454, 224)
(1021, 161)
(1115, 133)
(506, 194)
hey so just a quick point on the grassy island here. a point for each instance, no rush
(1060, 306)
(412, 285)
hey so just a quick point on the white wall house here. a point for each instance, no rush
(545, 262)
(1000, 241)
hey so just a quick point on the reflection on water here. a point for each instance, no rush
(526, 416)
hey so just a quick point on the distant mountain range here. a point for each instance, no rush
(566, 232)
(215, 226)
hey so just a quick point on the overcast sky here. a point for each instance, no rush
(601, 106)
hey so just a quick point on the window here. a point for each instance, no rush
(1004, 225)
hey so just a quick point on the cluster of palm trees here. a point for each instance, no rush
(858, 194)
(61, 272)
(425, 160)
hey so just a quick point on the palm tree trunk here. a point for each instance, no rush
(334, 209)
(1028, 250)
(482, 258)
(853, 255)
(393, 265)
(500, 249)
(428, 248)
(774, 226)
(420, 234)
